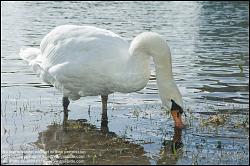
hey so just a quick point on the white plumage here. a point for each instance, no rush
(89, 61)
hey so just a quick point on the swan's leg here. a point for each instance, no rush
(104, 122)
(104, 107)
(66, 102)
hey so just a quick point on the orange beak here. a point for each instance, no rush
(177, 119)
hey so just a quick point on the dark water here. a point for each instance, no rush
(209, 42)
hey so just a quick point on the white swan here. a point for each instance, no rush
(89, 61)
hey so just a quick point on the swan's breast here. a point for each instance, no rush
(136, 75)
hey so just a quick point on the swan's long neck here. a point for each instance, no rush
(151, 44)
(165, 81)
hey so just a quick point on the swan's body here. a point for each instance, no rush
(88, 61)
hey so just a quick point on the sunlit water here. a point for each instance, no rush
(209, 43)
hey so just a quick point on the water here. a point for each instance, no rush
(209, 42)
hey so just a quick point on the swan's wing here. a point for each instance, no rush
(69, 43)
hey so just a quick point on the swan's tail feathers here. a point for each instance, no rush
(29, 54)
(33, 58)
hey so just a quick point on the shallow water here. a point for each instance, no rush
(209, 44)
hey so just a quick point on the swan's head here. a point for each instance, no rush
(171, 97)
(176, 98)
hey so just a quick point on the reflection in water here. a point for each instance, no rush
(78, 142)
(171, 149)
